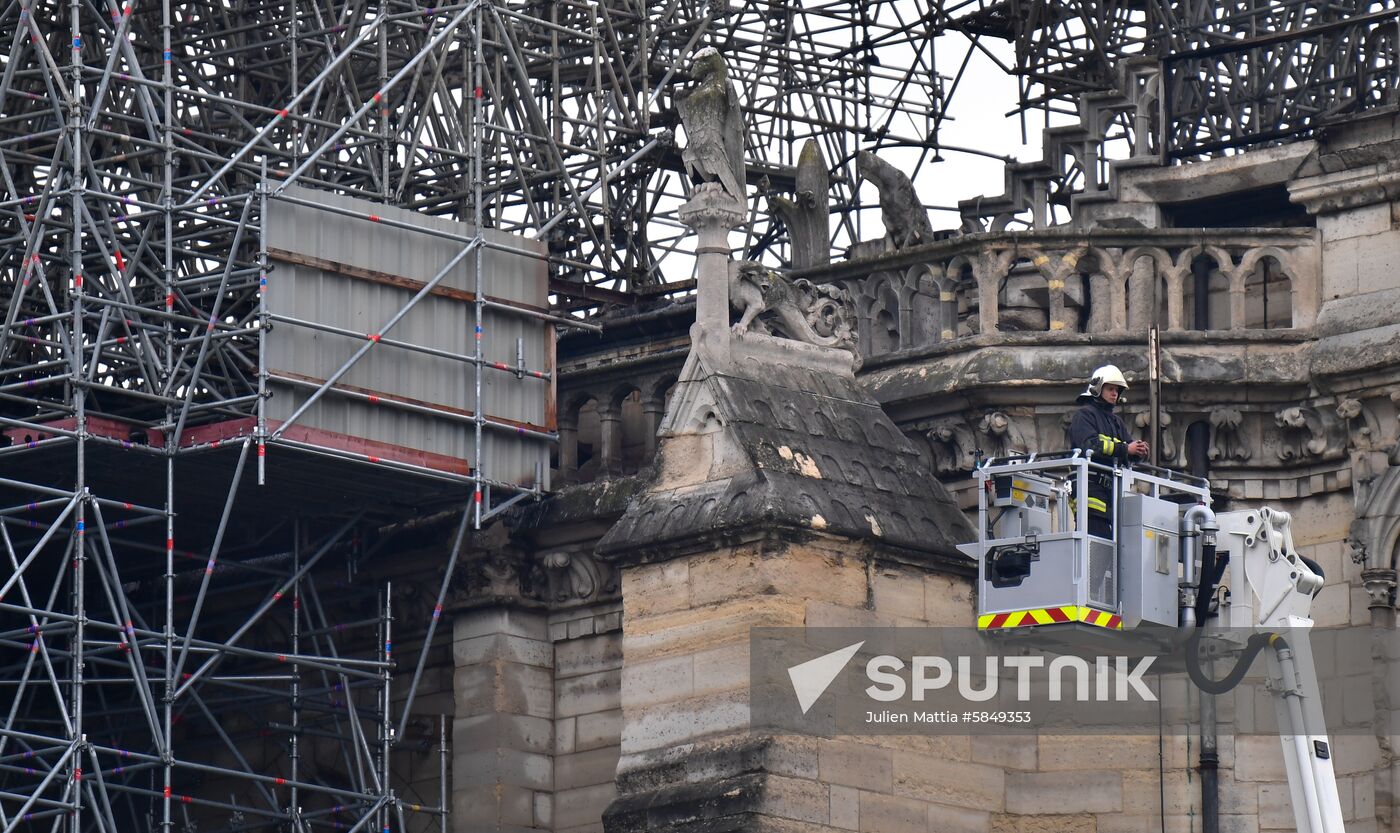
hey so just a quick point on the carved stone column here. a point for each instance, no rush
(1101, 304)
(568, 449)
(988, 284)
(652, 412)
(610, 430)
(1058, 312)
(906, 319)
(713, 214)
(1237, 300)
(1380, 586)
(1040, 204)
(1140, 311)
(1176, 300)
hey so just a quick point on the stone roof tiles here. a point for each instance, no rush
(816, 453)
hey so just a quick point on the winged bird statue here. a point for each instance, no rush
(714, 126)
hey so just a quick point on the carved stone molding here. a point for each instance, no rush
(496, 576)
(998, 281)
(953, 445)
(1351, 188)
(1366, 443)
(575, 575)
(1171, 447)
(1001, 435)
(1227, 440)
(1304, 437)
(711, 207)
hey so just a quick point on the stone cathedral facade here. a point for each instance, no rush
(600, 650)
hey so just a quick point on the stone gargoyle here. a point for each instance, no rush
(905, 218)
(819, 314)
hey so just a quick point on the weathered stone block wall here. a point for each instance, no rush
(535, 743)
(1360, 250)
(502, 738)
(685, 691)
(685, 687)
(587, 716)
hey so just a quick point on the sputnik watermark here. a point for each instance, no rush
(831, 681)
(1066, 677)
(1113, 678)
(812, 678)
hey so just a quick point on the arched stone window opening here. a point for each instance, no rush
(1146, 116)
(964, 311)
(1268, 296)
(1206, 293)
(927, 319)
(1087, 301)
(1017, 220)
(1102, 311)
(589, 442)
(885, 337)
(1023, 299)
(654, 407)
(1076, 177)
(1375, 68)
(884, 319)
(574, 457)
(1079, 297)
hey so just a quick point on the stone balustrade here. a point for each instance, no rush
(1056, 282)
(1099, 281)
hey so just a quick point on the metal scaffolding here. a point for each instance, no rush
(175, 654)
(1237, 74)
(165, 630)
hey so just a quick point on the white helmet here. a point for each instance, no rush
(1109, 374)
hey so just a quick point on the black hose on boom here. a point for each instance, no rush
(1211, 573)
(1256, 643)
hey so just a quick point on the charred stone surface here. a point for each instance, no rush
(711, 788)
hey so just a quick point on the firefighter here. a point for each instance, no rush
(1096, 429)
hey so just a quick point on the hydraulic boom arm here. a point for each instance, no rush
(1272, 589)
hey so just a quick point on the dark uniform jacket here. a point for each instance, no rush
(1098, 430)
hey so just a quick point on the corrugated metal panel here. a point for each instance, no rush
(314, 286)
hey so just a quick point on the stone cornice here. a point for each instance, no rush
(1346, 189)
(1127, 338)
